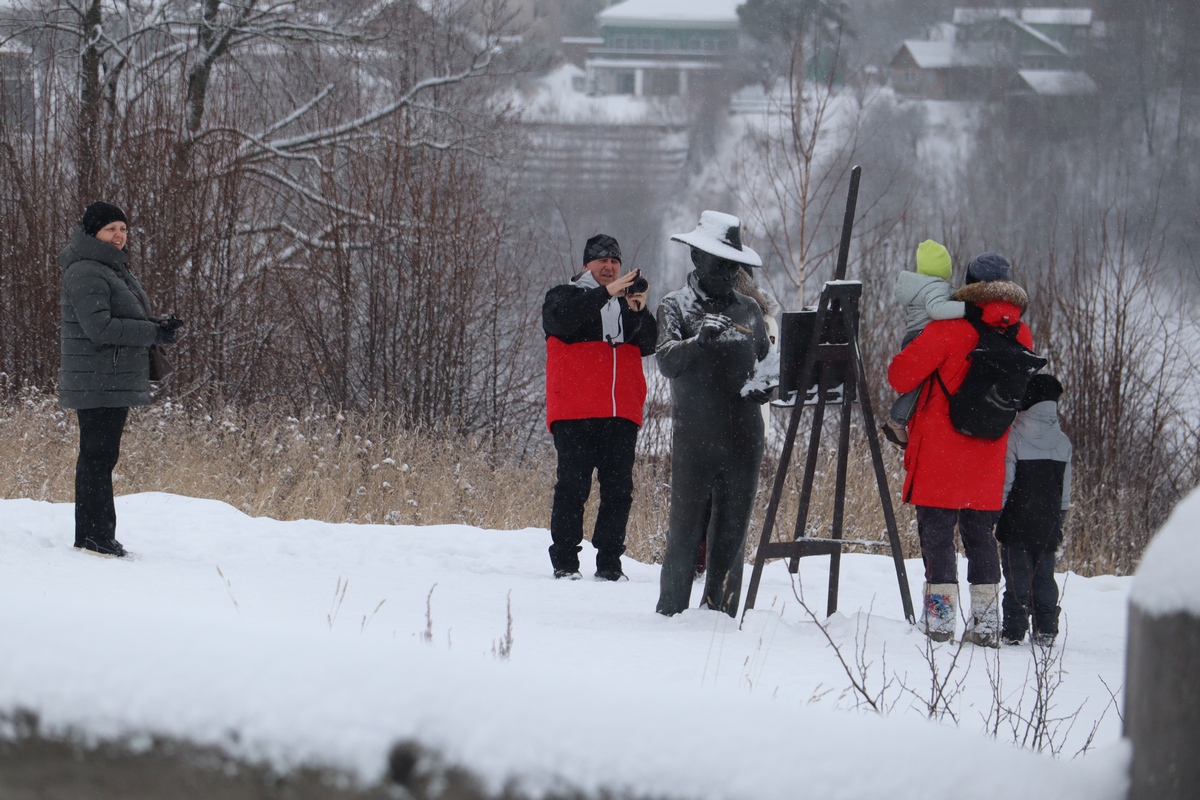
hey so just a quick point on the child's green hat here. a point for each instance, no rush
(933, 259)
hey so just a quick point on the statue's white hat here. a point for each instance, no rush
(721, 235)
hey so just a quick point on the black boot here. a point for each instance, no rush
(108, 547)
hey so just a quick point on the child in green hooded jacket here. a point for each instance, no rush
(926, 295)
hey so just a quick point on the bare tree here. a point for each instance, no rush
(317, 187)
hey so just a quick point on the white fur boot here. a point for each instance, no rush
(983, 624)
(940, 611)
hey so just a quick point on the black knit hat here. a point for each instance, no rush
(1041, 388)
(99, 214)
(987, 267)
(601, 246)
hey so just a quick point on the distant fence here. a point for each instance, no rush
(601, 157)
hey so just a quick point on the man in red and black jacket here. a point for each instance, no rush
(596, 337)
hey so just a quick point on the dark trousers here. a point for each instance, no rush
(1029, 590)
(100, 432)
(606, 447)
(935, 526)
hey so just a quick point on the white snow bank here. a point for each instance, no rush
(309, 646)
(1165, 582)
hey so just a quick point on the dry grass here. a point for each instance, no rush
(367, 469)
(333, 467)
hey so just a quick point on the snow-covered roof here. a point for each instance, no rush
(1030, 16)
(1058, 82)
(720, 14)
(1057, 16)
(931, 55)
(944, 55)
(971, 16)
(1041, 37)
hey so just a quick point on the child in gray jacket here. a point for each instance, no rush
(926, 295)
(1037, 494)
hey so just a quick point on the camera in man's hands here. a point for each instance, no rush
(638, 286)
(172, 323)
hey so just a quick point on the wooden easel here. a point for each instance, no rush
(832, 362)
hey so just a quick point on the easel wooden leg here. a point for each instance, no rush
(773, 506)
(839, 492)
(885, 495)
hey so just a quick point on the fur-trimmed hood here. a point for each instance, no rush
(992, 291)
(1002, 302)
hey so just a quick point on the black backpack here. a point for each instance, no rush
(989, 397)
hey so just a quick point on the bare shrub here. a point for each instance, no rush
(1123, 347)
(319, 189)
(1029, 716)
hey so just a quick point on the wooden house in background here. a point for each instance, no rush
(1049, 100)
(945, 71)
(984, 49)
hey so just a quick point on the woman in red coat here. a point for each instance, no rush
(955, 479)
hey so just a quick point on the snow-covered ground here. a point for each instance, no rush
(312, 642)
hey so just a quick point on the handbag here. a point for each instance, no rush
(160, 365)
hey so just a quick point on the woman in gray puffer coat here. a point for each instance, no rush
(107, 332)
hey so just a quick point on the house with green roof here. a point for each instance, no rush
(662, 48)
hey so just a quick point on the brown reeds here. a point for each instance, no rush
(367, 468)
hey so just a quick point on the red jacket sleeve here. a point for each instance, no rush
(912, 365)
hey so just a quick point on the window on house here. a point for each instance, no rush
(626, 82)
(662, 82)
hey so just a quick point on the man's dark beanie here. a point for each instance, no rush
(601, 246)
(988, 267)
(1040, 389)
(99, 214)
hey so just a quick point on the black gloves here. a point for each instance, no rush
(973, 313)
(759, 396)
(166, 330)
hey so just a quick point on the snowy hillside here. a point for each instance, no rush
(310, 642)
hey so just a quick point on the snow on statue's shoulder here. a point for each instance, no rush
(1165, 582)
